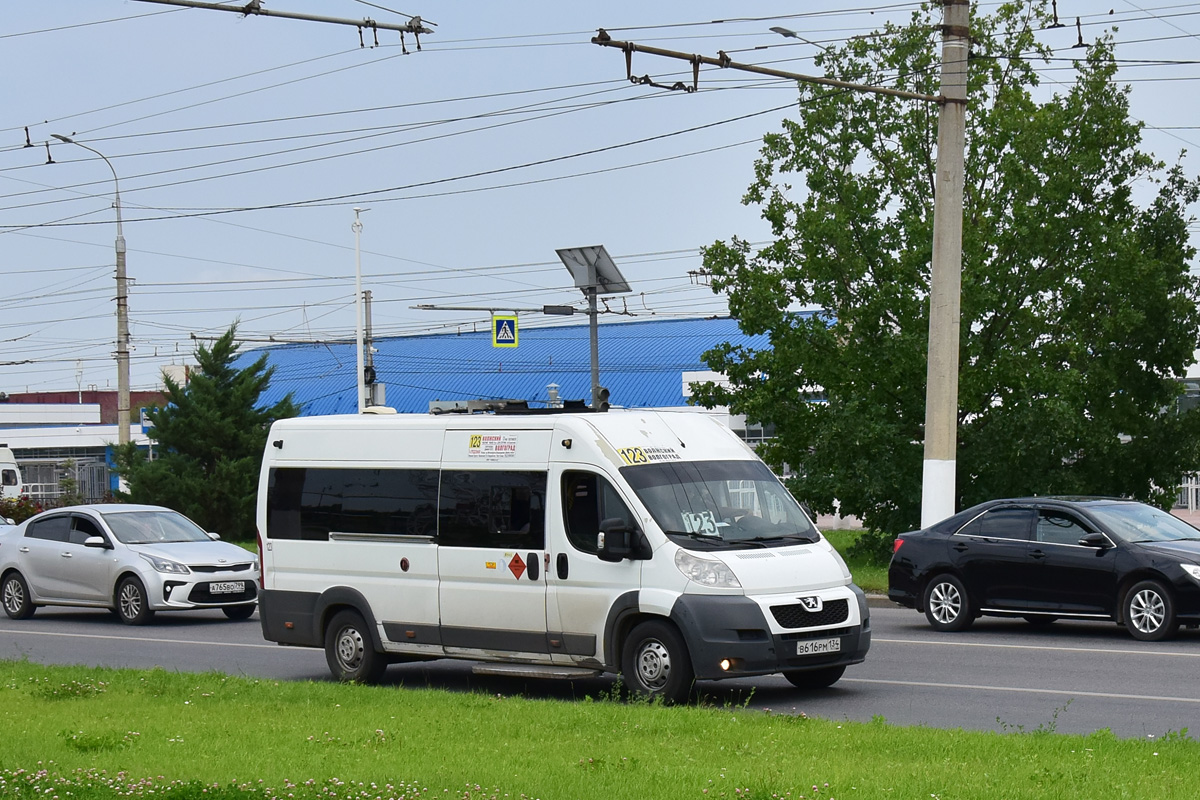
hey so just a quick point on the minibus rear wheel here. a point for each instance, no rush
(349, 652)
(656, 663)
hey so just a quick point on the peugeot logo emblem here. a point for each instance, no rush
(811, 604)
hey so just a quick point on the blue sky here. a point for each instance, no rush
(508, 136)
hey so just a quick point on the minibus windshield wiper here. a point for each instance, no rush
(699, 537)
(800, 537)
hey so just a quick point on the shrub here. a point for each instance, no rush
(18, 509)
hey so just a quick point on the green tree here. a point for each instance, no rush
(1078, 308)
(68, 484)
(207, 443)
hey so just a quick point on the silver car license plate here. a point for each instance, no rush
(818, 646)
(227, 587)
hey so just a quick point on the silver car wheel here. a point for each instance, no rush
(14, 596)
(350, 648)
(945, 603)
(654, 664)
(130, 600)
(1147, 611)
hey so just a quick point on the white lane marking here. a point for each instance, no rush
(1105, 650)
(147, 641)
(1020, 690)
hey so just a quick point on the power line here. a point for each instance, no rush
(373, 193)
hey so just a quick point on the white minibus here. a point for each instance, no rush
(651, 544)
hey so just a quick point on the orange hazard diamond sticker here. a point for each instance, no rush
(517, 566)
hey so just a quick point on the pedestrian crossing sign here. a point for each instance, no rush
(504, 331)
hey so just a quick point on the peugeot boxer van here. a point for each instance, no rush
(651, 544)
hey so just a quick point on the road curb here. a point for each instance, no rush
(880, 601)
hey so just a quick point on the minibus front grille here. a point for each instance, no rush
(797, 616)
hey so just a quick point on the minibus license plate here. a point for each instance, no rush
(227, 587)
(818, 646)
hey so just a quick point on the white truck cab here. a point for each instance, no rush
(648, 543)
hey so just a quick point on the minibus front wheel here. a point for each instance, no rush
(656, 663)
(349, 651)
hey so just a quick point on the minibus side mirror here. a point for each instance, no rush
(619, 540)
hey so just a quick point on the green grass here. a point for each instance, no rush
(870, 576)
(79, 733)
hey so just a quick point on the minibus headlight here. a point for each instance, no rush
(706, 571)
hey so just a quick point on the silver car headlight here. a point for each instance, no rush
(1193, 570)
(706, 571)
(166, 565)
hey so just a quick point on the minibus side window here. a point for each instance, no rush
(587, 499)
(9, 477)
(310, 503)
(478, 508)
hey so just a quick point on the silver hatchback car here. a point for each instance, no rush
(132, 559)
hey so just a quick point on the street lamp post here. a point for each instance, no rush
(122, 303)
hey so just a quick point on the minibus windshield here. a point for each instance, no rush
(712, 505)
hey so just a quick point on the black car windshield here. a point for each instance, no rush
(154, 527)
(712, 505)
(1137, 522)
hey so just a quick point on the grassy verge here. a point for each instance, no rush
(82, 733)
(870, 576)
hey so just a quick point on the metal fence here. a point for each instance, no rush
(44, 480)
(1189, 494)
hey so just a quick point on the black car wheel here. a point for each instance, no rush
(656, 662)
(132, 605)
(238, 612)
(349, 652)
(1149, 612)
(947, 606)
(814, 678)
(16, 597)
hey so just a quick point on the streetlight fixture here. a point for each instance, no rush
(791, 34)
(122, 303)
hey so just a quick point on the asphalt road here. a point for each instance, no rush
(1000, 675)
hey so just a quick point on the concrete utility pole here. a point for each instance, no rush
(938, 477)
(122, 303)
(945, 280)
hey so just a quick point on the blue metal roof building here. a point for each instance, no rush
(641, 363)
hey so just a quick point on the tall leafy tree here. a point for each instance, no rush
(1078, 308)
(207, 443)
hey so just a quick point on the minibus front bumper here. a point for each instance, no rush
(729, 637)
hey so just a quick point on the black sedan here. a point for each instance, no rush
(1044, 558)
